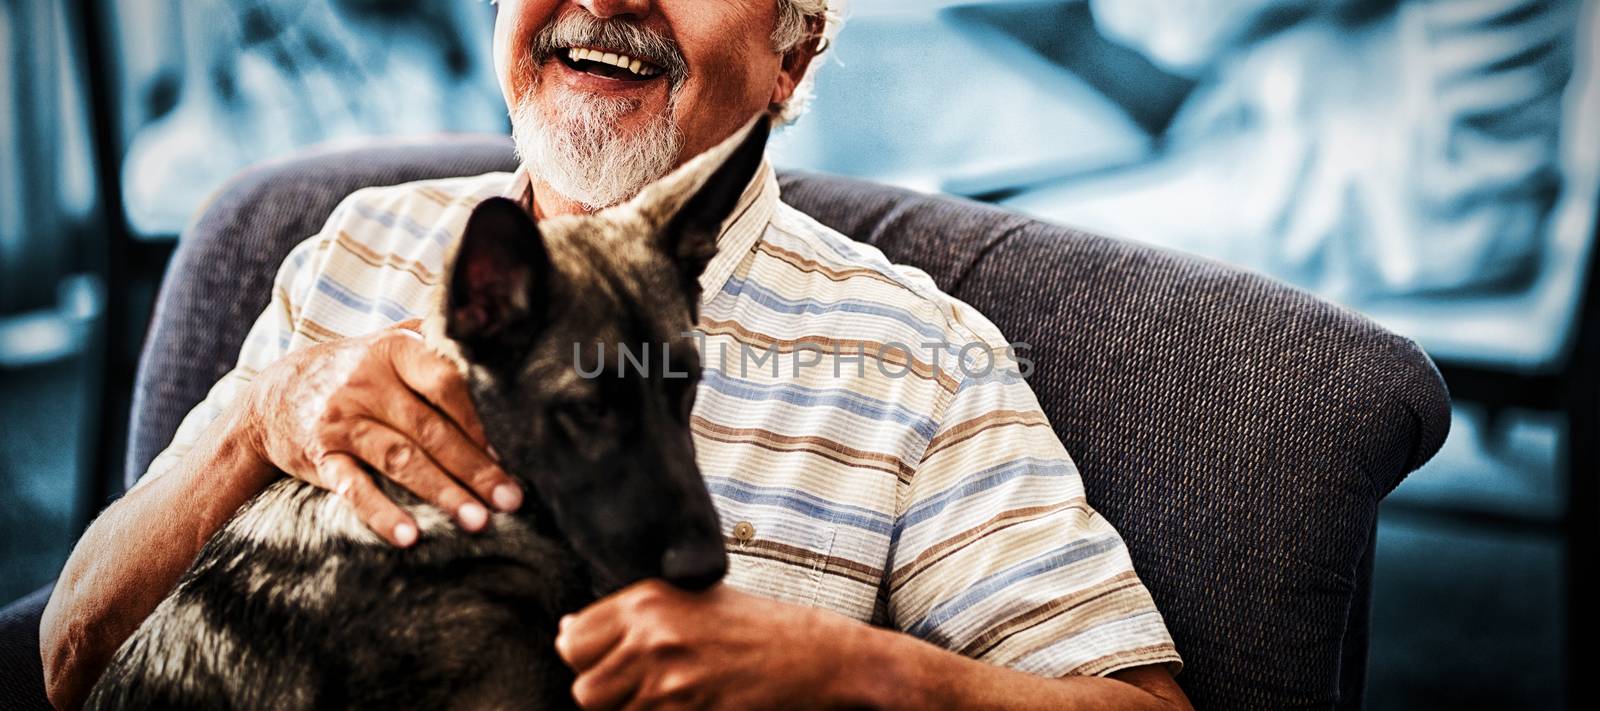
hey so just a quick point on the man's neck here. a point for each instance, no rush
(548, 203)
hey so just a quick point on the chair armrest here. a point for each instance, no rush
(21, 668)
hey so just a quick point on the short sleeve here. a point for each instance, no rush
(269, 339)
(998, 556)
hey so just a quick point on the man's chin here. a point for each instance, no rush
(594, 151)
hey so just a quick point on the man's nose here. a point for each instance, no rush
(605, 9)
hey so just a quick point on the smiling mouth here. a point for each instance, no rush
(610, 65)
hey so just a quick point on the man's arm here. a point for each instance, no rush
(654, 646)
(134, 552)
(897, 671)
(323, 413)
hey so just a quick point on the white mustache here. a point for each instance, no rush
(580, 29)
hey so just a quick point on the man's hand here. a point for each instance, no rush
(653, 646)
(388, 401)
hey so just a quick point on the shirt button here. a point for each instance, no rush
(743, 532)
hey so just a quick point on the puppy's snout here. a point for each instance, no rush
(694, 566)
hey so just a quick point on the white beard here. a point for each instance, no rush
(580, 153)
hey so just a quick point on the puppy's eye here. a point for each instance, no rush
(582, 416)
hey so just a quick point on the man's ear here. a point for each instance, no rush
(796, 61)
(499, 284)
(690, 237)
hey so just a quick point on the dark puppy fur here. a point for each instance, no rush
(295, 604)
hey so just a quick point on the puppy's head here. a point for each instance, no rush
(575, 336)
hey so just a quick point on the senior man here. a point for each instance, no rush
(911, 536)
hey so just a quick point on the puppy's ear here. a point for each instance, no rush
(690, 237)
(498, 284)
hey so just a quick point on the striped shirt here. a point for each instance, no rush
(866, 438)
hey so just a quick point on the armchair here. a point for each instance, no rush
(1238, 432)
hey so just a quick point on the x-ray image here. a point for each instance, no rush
(1364, 148)
(225, 83)
(1357, 148)
(46, 185)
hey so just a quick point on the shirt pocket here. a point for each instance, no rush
(777, 557)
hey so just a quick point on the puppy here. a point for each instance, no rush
(295, 604)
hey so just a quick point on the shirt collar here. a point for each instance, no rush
(521, 189)
(739, 234)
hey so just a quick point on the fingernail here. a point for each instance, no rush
(405, 534)
(473, 516)
(507, 497)
(562, 625)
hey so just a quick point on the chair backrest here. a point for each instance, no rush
(1238, 432)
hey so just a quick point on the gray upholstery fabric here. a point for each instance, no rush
(1238, 432)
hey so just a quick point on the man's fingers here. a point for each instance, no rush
(586, 636)
(610, 684)
(342, 475)
(436, 380)
(400, 458)
(443, 392)
(448, 446)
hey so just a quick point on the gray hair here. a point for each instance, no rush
(793, 17)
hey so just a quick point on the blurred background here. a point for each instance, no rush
(1432, 163)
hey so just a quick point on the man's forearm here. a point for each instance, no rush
(135, 551)
(890, 670)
